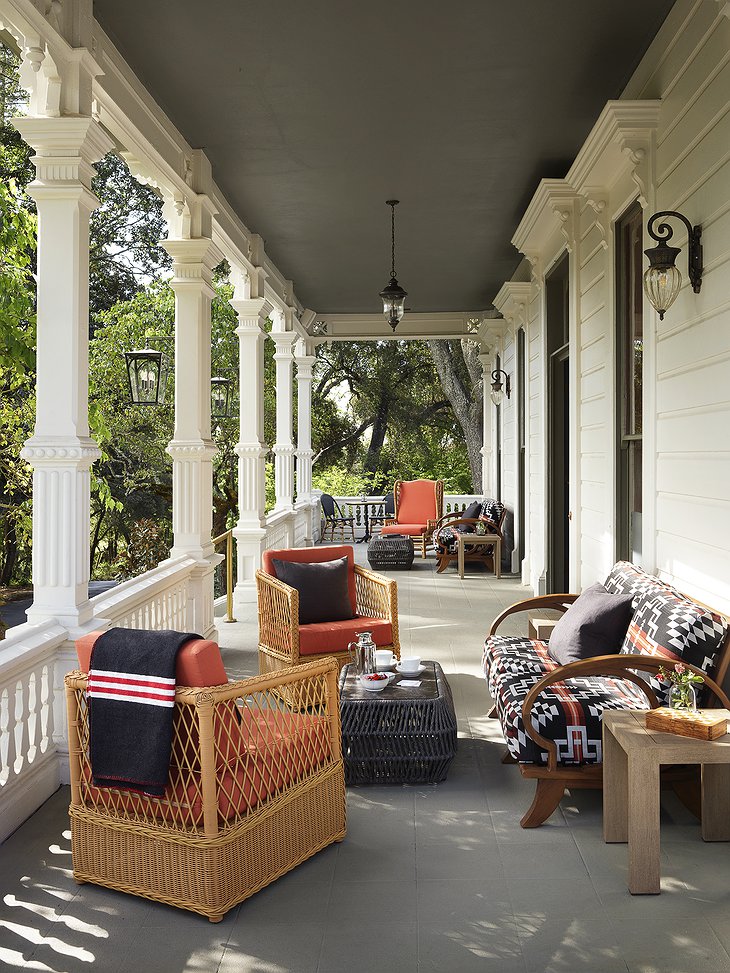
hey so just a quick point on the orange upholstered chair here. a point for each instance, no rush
(283, 641)
(253, 787)
(419, 506)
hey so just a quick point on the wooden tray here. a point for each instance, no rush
(705, 724)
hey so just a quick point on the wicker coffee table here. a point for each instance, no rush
(390, 551)
(397, 736)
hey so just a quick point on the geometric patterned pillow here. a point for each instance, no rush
(667, 624)
(492, 510)
(626, 578)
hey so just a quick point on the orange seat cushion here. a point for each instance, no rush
(412, 530)
(277, 749)
(198, 662)
(322, 638)
(315, 555)
(417, 501)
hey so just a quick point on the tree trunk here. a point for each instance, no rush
(459, 370)
(380, 428)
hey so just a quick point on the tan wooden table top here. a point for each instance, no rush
(629, 729)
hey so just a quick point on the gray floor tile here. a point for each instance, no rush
(570, 945)
(555, 898)
(357, 945)
(256, 947)
(456, 900)
(466, 945)
(372, 902)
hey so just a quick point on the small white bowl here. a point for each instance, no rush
(375, 685)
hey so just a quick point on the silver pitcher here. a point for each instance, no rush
(363, 653)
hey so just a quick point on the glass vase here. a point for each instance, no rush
(683, 696)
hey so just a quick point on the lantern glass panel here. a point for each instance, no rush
(662, 285)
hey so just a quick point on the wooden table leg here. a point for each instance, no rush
(643, 793)
(715, 802)
(497, 558)
(615, 789)
(460, 546)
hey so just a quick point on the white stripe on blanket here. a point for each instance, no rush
(131, 687)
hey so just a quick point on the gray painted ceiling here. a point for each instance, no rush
(313, 114)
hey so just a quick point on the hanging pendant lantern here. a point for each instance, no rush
(221, 396)
(392, 295)
(147, 375)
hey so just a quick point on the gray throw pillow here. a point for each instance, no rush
(473, 510)
(324, 594)
(595, 624)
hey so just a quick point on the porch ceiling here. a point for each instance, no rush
(311, 120)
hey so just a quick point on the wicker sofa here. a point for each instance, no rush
(254, 788)
(551, 714)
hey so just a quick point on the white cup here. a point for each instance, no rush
(410, 663)
(383, 658)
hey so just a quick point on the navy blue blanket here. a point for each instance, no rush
(131, 702)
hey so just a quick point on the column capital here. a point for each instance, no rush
(66, 148)
(284, 341)
(193, 261)
(251, 311)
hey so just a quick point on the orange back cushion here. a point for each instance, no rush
(315, 555)
(198, 662)
(417, 502)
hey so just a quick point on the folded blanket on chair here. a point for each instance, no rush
(131, 703)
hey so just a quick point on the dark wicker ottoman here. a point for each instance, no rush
(397, 736)
(390, 551)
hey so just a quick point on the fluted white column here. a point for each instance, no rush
(487, 414)
(191, 447)
(305, 364)
(250, 532)
(61, 451)
(284, 446)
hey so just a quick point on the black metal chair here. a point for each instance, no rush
(377, 520)
(334, 518)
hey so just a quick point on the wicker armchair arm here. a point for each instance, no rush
(278, 616)
(377, 597)
(559, 602)
(610, 666)
(389, 521)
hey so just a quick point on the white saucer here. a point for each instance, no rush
(410, 675)
(387, 668)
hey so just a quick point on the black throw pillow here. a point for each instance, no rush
(473, 510)
(324, 594)
(595, 624)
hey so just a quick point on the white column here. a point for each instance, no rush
(61, 451)
(250, 531)
(192, 448)
(485, 359)
(284, 446)
(305, 364)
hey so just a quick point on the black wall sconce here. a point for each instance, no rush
(500, 389)
(662, 279)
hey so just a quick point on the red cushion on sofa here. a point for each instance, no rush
(321, 638)
(410, 529)
(315, 555)
(198, 662)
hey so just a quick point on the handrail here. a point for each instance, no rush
(227, 536)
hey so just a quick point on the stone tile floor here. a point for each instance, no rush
(429, 878)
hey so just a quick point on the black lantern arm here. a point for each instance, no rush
(663, 233)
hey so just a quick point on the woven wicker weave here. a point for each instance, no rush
(253, 791)
(391, 551)
(398, 736)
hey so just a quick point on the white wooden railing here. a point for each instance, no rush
(29, 695)
(154, 600)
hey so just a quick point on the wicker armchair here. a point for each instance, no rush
(254, 789)
(284, 642)
(443, 538)
(419, 505)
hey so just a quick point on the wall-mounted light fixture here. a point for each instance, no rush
(499, 388)
(662, 279)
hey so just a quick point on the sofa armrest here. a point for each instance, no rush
(559, 602)
(278, 608)
(377, 597)
(611, 667)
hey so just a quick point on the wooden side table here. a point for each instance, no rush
(632, 758)
(492, 539)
